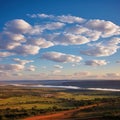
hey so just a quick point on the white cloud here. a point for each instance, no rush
(92, 35)
(41, 42)
(10, 40)
(61, 57)
(36, 30)
(105, 48)
(40, 16)
(70, 19)
(6, 54)
(58, 66)
(45, 16)
(17, 26)
(31, 68)
(76, 29)
(70, 39)
(11, 67)
(26, 49)
(63, 18)
(56, 71)
(22, 62)
(75, 64)
(32, 15)
(53, 25)
(96, 62)
(18, 35)
(7, 43)
(101, 51)
(12, 37)
(106, 27)
(50, 37)
(20, 38)
(40, 28)
(114, 41)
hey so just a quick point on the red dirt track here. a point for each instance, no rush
(64, 115)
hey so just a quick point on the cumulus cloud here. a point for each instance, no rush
(62, 18)
(101, 27)
(76, 29)
(54, 25)
(17, 26)
(103, 48)
(106, 27)
(56, 71)
(31, 68)
(91, 35)
(58, 66)
(113, 41)
(6, 54)
(26, 49)
(100, 51)
(51, 26)
(70, 39)
(19, 34)
(41, 42)
(11, 67)
(21, 38)
(45, 16)
(10, 40)
(12, 36)
(22, 62)
(36, 30)
(95, 62)
(40, 16)
(70, 19)
(40, 28)
(61, 57)
(7, 44)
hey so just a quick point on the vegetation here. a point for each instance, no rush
(20, 102)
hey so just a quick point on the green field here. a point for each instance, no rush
(17, 103)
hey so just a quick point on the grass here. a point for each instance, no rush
(81, 96)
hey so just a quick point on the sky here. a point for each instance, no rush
(56, 40)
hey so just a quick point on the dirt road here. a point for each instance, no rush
(64, 115)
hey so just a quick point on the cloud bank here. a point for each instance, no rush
(20, 38)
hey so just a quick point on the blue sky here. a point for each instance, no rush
(66, 39)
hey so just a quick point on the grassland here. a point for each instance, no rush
(17, 103)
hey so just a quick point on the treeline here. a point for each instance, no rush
(16, 114)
